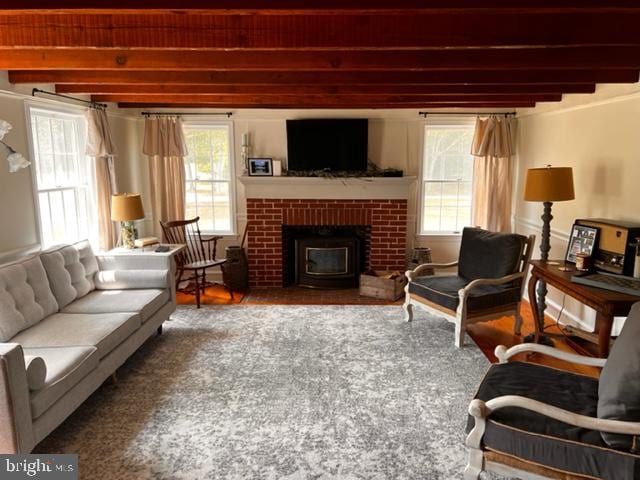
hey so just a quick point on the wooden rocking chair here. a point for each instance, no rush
(198, 257)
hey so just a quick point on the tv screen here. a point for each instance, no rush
(326, 144)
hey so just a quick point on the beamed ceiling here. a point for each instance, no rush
(322, 54)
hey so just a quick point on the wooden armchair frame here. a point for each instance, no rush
(198, 256)
(462, 317)
(481, 460)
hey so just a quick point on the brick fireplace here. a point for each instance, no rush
(386, 218)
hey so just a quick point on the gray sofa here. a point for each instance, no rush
(66, 324)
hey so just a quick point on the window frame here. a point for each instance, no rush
(193, 122)
(437, 121)
(62, 111)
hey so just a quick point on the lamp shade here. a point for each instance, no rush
(126, 207)
(549, 184)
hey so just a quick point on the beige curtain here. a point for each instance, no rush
(166, 147)
(100, 146)
(493, 146)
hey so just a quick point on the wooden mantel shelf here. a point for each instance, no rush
(328, 188)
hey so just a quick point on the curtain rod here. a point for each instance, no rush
(506, 114)
(93, 104)
(177, 114)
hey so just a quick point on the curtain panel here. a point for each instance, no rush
(493, 146)
(166, 147)
(100, 146)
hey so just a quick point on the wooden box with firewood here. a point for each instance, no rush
(383, 285)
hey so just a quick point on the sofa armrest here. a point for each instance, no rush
(134, 262)
(492, 281)
(503, 354)
(16, 432)
(411, 274)
(132, 279)
(482, 410)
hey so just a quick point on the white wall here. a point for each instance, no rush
(395, 141)
(598, 136)
(18, 217)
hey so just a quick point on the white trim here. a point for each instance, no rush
(452, 120)
(63, 110)
(589, 104)
(207, 122)
(370, 188)
(536, 226)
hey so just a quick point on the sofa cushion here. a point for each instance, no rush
(443, 290)
(145, 302)
(70, 269)
(66, 366)
(36, 371)
(485, 254)
(103, 331)
(537, 439)
(619, 389)
(25, 296)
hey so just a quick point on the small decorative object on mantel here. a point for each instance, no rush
(277, 168)
(15, 159)
(260, 167)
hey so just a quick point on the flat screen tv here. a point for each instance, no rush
(327, 144)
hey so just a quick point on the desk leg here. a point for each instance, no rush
(533, 301)
(604, 324)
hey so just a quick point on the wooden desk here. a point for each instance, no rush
(606, 303)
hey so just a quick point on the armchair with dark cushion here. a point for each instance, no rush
(489, 283)
(531, 421)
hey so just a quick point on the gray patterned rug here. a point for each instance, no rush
(282, 392)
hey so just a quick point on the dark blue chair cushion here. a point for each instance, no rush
(443, 290)
(485, 254)
(534, 438)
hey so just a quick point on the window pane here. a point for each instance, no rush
(447, 175)
(208, 175)
(67, 212)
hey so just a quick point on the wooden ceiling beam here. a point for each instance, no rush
(422, 105)
(406, 30)
(310, 6)
(462, 90)
(321, 99)
(348, 60)
(458, 77)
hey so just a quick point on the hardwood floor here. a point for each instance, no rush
(486, 335)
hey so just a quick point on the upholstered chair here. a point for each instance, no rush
(532, 421)
(488, 284)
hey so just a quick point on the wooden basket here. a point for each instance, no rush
(380, 285)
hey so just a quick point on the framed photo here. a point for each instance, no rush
(260, 167)
(583, 240)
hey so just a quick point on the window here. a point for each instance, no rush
(208, 175)
(63, 177)
(446, 177)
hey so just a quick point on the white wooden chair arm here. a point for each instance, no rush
(411, 274)
(492, 281)
(482, 410)
(505, 354)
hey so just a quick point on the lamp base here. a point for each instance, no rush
(128, 234)
(542, 340)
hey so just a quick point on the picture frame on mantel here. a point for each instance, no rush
(260, 167)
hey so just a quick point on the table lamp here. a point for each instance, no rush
(547, 185)
(126, 208)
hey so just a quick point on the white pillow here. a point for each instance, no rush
(36, 372)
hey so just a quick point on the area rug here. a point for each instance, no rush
(282, 392)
